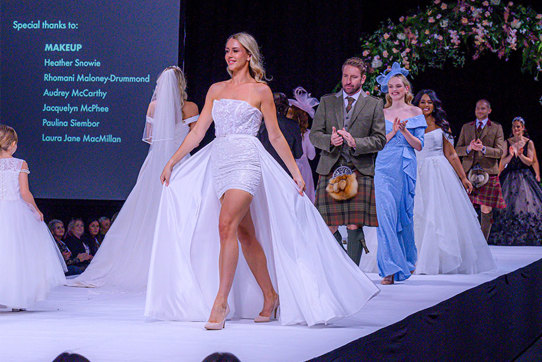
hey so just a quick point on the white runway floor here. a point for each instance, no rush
(108, 326)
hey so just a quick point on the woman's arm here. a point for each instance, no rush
(528, 160)
(194, 137)
(26, 195)
(453, 158)
(276, 137)
(536, 165)
(506, 157)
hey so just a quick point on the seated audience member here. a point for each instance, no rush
(76, 263)
(289, 128)
(105, 224)
(93, 231)
(221, 357)
(70, 357)
(75, 241)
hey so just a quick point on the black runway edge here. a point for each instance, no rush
(500, 320)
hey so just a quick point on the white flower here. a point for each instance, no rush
(401, 36)
(376, 63)
(444, 23)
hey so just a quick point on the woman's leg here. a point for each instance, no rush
(235, 205)
(256, 260)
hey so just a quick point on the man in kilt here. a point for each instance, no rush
(480, 146)
(349, 129)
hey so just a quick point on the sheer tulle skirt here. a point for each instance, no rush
(30, 263)
(447, 232)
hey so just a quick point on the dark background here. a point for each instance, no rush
(304, 44)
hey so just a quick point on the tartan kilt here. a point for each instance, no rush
(489, 195)
(359, 210)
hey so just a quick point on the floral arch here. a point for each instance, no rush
(451, 31)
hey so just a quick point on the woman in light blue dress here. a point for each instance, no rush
(395, 177)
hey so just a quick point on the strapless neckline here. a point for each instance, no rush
(238, 100)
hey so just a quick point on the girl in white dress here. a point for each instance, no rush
(123, 260)
(447, 233)
(30, 263)
(233, 192)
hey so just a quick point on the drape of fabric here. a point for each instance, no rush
(315, 279)
(123, 259)
(395, 184)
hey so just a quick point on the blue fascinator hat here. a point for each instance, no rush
(384, 78)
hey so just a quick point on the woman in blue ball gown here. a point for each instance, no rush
(395, 177)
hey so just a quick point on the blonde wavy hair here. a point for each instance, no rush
(7, 137)
(256, 68)
(181, 82)
(408, 96)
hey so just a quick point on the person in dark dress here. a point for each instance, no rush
(520, 223)
(289, 128)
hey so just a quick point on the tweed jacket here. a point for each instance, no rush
(367, 127)
(492, 137)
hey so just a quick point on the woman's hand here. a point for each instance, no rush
(512, 151)
(166, 174)
(467, 185)
(39, 214)
(396, 125)
(300, 184)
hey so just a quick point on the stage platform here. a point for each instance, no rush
(109, 326)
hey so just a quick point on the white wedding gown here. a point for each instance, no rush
(30, 262)
(446, 228)
(122, 261)
(316, 280)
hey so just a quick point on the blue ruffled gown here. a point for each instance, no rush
(395, 185)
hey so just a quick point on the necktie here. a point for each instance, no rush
(349, 105)
(479, 128)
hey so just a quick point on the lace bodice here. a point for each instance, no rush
(433, 144)
(9, 178)
(235, 116)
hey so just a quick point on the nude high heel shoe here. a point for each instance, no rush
(274, 311)
(211, 326)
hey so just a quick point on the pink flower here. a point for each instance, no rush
(386, 35)
(385, 54)
(464, 21)
(365, 53)
(407, 50)
(395, 50)
(437, 2)
(485, 3)
(485, 23)
(431, 20)
(401, 19)
(439, 16)
(487, 13)
(539, 16)
(426, 31)
(439, 37)
(510, 4)
(415, 41)
(396, 42)
(444, 6)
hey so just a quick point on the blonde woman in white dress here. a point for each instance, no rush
(233, 193)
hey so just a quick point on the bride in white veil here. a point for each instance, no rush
(123, 260)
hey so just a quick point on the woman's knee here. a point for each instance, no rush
(246, 235)
(226, 227)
